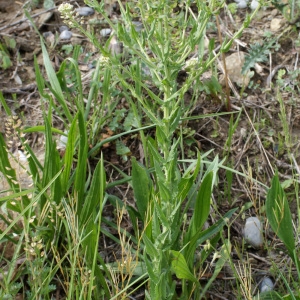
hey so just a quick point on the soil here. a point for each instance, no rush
(257, 148)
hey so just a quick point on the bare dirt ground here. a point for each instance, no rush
(259, 144)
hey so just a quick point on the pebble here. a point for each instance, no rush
(242, 4)
(63, 28)
(65, 35)
(105, 32)
(276, 24)
(138, 26)
(253, 232)
(62, 142)
(85, 11)
(266, 285)
(47, 34)
(254, 4)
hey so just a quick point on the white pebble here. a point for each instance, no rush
(254, 4)
(65, 35)
(105, 31)
(62, 142)
(242, 4)
(21, 157)
(266, 285)
(253, 232)
(85, 11)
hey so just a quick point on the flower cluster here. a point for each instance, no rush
(35, 246)
(103, 60)
(13, 125)
(66, 10)
(55, 212)
(67, 13)
(191, 64)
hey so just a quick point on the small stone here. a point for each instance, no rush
(138, 25)
(276, 24)
(63, 28)
(242, 4)
(274, 12)
(65, 35)
(266, 285)
(105, 32)
(253, 232)
(234, 65)
(47, 34)
(85, 11)
(62, 142)
(49, 38)
(254, 4)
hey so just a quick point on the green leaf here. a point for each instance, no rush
(6, 62)
(51, 164)
(48, 4)
(121, 148)
(69, 153)
(141, 184)
(150, 248)
(201, 236)
(202, 205)
(272, 295)
(257, 53)
(56, 88)
(94, 199)
(80, 176)
(279, 215)
(180, 267)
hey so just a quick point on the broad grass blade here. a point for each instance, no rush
(180, 267)
(201, 236)
(56, 88)
(141, 184)
(279, 215)
(202, 205)
(94, 199)
(80, 177)
(51, 165)
(69, 153)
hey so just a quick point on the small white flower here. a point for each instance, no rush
(103, 60)
(191, 64)
(216, 256)
(207, 245)
(66, 10)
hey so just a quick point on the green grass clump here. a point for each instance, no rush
(60, 216)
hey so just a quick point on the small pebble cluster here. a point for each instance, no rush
(244, 3)
(253, 235)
